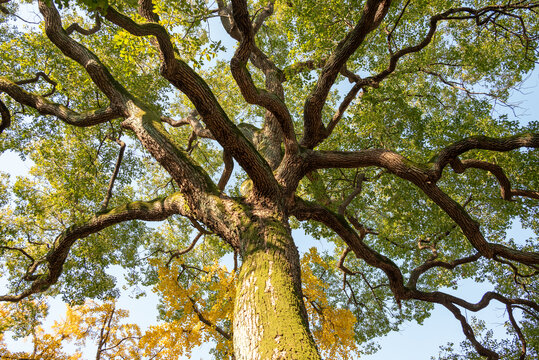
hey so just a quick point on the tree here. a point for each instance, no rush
(372, 126)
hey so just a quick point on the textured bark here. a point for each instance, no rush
(270, 320)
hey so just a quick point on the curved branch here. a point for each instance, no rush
(47, 107)
(154, 210)
(177, 253)
(76, 27)
(227, 171)
(530, 140)
(276, 129)
(32, 260)
(265, 12)
(373, 13)
(441, 298)
(418, 271)
(357, 190)
(40, 74)
(505, 185)
(198, 128)
(304, 210)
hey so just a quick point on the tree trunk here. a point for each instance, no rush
(270, 320)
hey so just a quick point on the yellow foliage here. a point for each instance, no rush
(195, 318)
(332, 328)
(198, 306)
(44, 346)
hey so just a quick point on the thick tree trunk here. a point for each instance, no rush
(270, 320)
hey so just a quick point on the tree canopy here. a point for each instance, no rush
(168, 136)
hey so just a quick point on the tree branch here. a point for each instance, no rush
(469, 333)
(505, 185)
(5, 116)
(530, 140)
(114, 174)
(227, 171)
(202, 318)
(40, 74)
(342, 109)
(154, 210)
(262, 15)
(179, 74)
(518, 331)
(177, 253)
(304, 210)
(373, 13)
(418, 271)
(46, 107)
(191, 119)
(76, 27)
(253, 95)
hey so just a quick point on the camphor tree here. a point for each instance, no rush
(369, 124)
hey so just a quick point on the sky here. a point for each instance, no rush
(412, 342)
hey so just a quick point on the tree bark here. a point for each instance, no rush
(270, 319)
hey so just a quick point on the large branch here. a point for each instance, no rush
(98, 72)
(309, 211)
(373, 13)
(505, 185)
(47, 107)
(5, 116)
(270, 100)
(421, 176)
(155, 210)
(448, 154)
(179, 74)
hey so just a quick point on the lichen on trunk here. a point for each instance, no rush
(270, 320)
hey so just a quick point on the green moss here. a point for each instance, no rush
(274, 295)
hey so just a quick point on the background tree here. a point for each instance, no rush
(369, 125)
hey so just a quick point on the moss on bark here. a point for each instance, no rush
(269, 315)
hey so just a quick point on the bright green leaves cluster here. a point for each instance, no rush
(67, 184)
(70, 167)
(90, 4)
(310, 29)
(186, 21)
